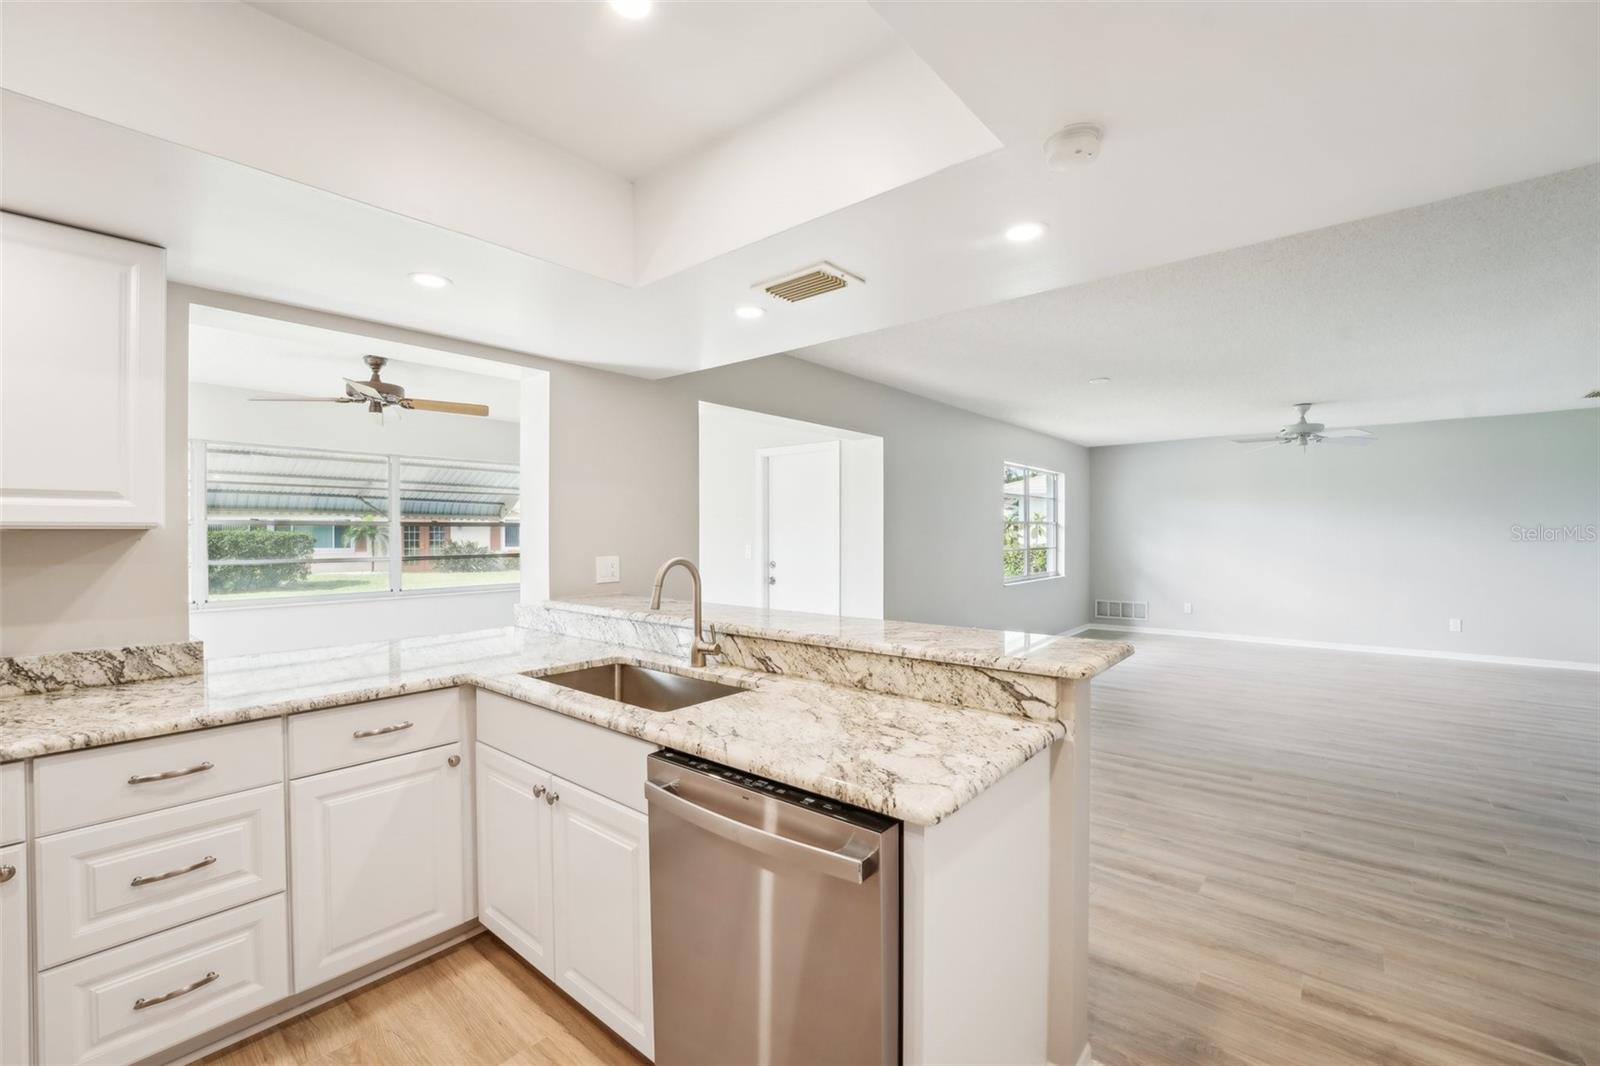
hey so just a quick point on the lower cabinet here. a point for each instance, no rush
(136, 1000)
(379, 859)
(514, 884)
(563, 879)
(16, 1011)
(601, 857)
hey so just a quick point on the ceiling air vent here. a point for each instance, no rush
(809, 282)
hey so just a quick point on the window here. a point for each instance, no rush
(1031, 544)
(286, 523)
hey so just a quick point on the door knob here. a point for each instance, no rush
(772, 581)
(454, 760)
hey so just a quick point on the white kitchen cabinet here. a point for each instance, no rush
(601, 863)
(83, 357)
(514, 879)
(16, 1013)
(379, 859)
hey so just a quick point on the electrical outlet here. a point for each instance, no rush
(607, 568)
(1455, 625)
(1188, 608)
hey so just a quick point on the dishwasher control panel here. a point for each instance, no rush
(778, 790)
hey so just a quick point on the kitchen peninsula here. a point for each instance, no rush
(973, 739)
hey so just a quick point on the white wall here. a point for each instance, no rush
(1375, 546)
(730, 506)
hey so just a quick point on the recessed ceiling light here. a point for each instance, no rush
(1025, 231)
(748, 313)
(632, 9)
(431, 281)
(1099, 381)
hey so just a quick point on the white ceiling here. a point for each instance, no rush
(270, 357)
(630, 96)
(1484, 305)
(1227, 125)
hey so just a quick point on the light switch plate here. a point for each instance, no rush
(1188, 608)
(1455, 625)
(607, 568)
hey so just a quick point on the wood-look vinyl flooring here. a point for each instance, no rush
(1305, 857)
(1299, 858)
(475, 1003)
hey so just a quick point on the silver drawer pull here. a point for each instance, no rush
(168, 775)
(7, 873)
(191, 868)
(141, 1003)
(362, 734)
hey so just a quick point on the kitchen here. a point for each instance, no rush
(616, 531)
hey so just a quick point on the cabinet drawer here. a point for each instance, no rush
(134, 1001)
(104, 784)
(13, 803)
(115, 882)
(603, 761)
(329, 740)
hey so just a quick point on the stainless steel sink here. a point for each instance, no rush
(639, 686)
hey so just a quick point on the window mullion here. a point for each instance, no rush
(397, 546)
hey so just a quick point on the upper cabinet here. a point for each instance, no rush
(82, 378)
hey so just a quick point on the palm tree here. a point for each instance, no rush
(375, 531)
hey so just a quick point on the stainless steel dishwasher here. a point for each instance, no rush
(775, 922)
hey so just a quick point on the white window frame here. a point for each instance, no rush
(199, 558)
(1055, 521)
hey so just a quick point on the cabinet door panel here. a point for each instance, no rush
(379, 860)
(16, 1014)
(602, 910)
(514, 854)
(82, 331)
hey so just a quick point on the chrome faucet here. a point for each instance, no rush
(700, 648)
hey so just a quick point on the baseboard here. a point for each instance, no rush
(1371, 649)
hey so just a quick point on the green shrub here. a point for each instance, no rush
(293, 549)
(465, 557)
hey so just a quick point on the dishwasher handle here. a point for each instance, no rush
(846, 863)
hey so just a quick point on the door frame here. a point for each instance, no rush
(763, 485)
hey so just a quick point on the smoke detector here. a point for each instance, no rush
(1077, 143)
(807, 282)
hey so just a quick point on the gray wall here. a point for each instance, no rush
(1379, 545)
(623, 481)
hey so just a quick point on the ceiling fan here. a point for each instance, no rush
(378, 394)
(1305, 433)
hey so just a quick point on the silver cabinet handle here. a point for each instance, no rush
(168, 775)
(551, 797)
(362, 734)
(538, 790)
(141, 1003)
(191, 868)
(453, 761)
(854, 862)
(7, 873)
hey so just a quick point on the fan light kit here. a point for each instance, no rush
(431, 281)
(1306, 433)
(378, 394)
(1023, 232)
(1073, 145)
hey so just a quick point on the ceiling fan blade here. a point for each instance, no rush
(1270, 444)
(1363, 441)
(301, 399)
(360, 390)
(1262, 439)
(1330, 433)
(446, 407)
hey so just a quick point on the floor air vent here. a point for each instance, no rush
(1122, 610)
(812, 281)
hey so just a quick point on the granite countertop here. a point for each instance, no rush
(1047, 655)
(901, 757)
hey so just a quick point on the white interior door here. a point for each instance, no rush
(801, 496)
